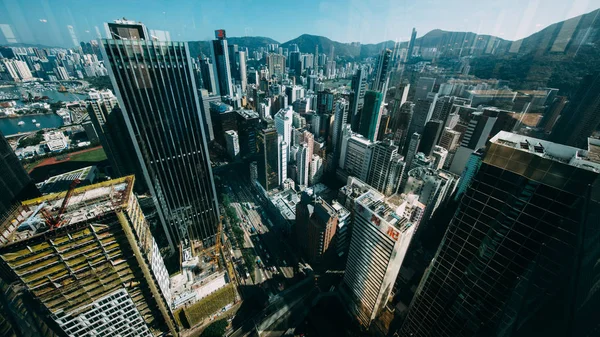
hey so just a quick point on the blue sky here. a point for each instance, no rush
(45, 21)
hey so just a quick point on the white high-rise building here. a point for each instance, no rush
(302, 164)
(355, 156)
(61, 72)
(340, 108)
(380, 239)
(283, 125)
(316, 170)
(283, 158)
(18, 70)
(233, 144)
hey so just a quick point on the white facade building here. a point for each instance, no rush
(283, 125)
(380, 240)
(233, 144)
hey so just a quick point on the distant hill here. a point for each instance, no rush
(558, 56)
(251, 42)
(307, 44)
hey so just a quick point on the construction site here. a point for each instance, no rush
(85, 263)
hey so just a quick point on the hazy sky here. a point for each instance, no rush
(47, 21)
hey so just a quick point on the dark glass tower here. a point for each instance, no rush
(518, 256)
(159, 102)
(371, 115)
(220, 58)
(359, 87)
(15, 183)
(268, 163)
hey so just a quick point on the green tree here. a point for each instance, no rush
(216, 329)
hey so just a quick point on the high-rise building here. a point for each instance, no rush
(98, 272)
(221, 67)
(424, 87)
(248, 124)
(380, 239)
(340, 119)
(380, 164)
(359, 88)
(422, 112)
(382, 76)
(316, 225)
(355, 154)
(431, 136)
(582, 116)
(268, 158)
(371, 115)
(412, 149)
(324, 102)
(411, 45)
(283, 124)
(506, 265)
(400, 122)
(243, 77)
(439, 155)
(167, 135)
(302, 164)
(207, 73)
(449, 139)
(316, 170)
(109, 121)
(232, 143)
(207, 101)
(276, 64)
(442, 108)
(15, 183)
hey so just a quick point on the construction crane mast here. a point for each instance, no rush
(56, 221)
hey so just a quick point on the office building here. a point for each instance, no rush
(439, 155)
(471, 168)
(359, 88)
(221, 67)
(412, 149)
(380, 158)
(302, 164)
(424, 87)
(382, 75)
(340, 119)
(316, 170)
(207, 101)
(520, 264)
(355, 155)
(283, 125)
(371, 115)
(316, 225)
(324, 102)
(109, 121)
(96, 272)
(400, 122)
(380, 239)
(232, 143)
(449, 139)
(432, 187)
(15, 183)
(582, 117)
(243, 77)
(207, 74)
(248, 126)
(411, 45)
(168, 138)
(431, 135)
(223, 118)
(422, 112)
(276, 64)
(268, 158)
(395, 175)
(442, 108)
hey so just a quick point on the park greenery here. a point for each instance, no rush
(215, 329)
(32, 140)
(238, 233)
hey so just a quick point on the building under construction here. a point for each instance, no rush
(83, 263)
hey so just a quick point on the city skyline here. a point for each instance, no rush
(369, 23)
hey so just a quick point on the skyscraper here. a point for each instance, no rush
(276, 64)
(220, 59)
(359, 88)
(411, 45)
(380, 239)
(283, 125)
(302, 164)
(381, 164)
(422, 112)
(268, 160)
(371, 115)
(519, 264)
(243, 77)
(340, 119)
(424, 87)
(99, 272)
(400, 122)
(207, 73)
(316, 224)
(431, 136)
(382, 76)
(15, 183)
(167, 135)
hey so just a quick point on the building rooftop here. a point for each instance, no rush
(86, 203)
(492, 92)
(61, 182)
(585, 159)
(248, 114)
(375, 202)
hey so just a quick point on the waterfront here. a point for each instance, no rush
(53, 95)
(10, 126)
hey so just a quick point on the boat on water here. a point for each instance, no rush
(21, 123)
(33, 121)
(38, 124)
